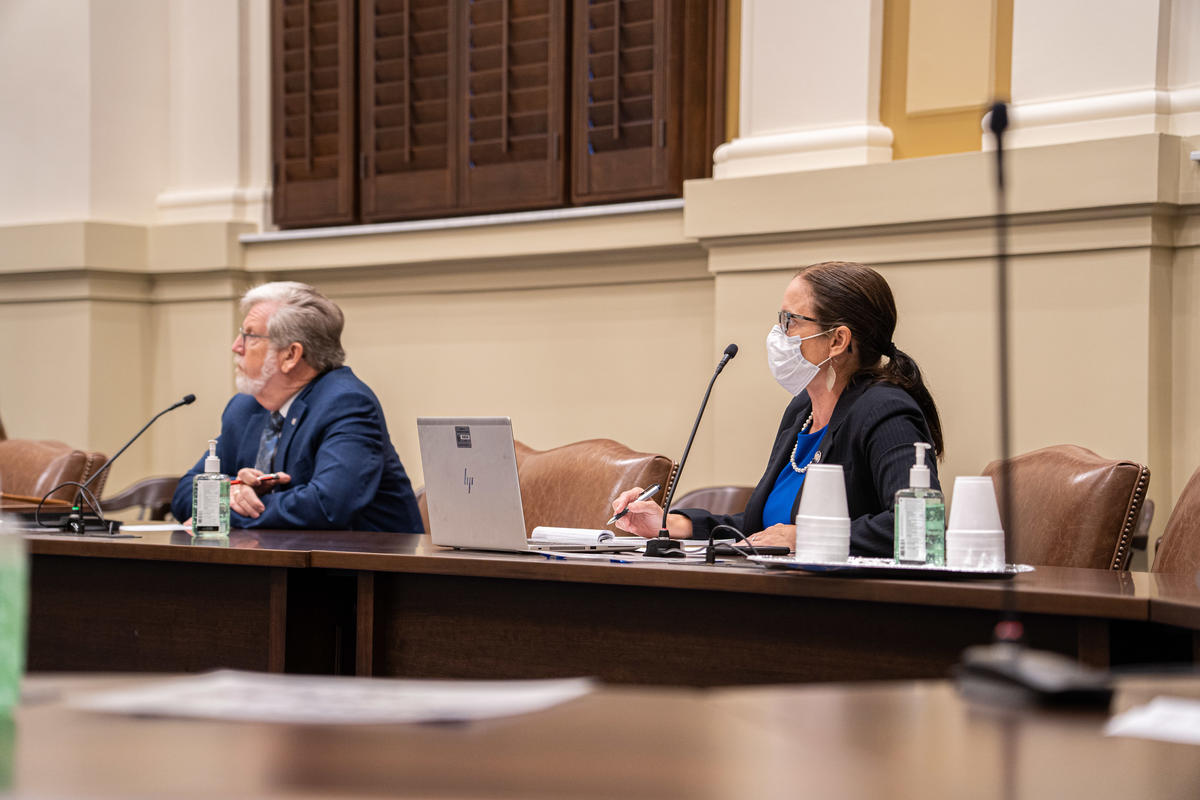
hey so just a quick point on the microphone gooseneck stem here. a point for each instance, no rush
(108, 463)
(1009, 629)
(688, 447)
(75, 522)
(663, 546)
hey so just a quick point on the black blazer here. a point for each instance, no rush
(871, 434)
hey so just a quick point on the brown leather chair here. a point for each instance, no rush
(1179, 548)
(1073, 508)
(31, 468)
(151, 497)
(717, 499)
(573, 486)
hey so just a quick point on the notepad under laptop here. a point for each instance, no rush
(474, 497)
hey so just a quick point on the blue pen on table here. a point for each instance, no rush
(560, 557)
(646, 495)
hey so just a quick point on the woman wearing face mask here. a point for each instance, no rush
(858, 401)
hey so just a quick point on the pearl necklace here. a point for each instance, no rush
(796, 446)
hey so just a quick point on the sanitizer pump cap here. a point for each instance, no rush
(918, 476)
(213, 464)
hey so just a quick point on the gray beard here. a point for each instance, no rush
(254, 386)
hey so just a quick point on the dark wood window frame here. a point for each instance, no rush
(386, 110)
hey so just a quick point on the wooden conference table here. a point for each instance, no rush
(395, 605)
(906, 739)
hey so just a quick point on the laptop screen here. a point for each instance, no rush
(471, 485)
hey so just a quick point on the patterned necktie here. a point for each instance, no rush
(268, 442)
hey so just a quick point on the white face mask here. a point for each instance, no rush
(789, 366)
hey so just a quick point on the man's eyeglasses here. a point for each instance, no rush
(243, 336)
(786, 317)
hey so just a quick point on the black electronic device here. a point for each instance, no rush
(663, 546)
(1010, 672)
(727, 549)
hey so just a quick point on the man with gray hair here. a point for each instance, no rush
(306, 437)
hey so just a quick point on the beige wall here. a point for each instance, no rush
(44, 83)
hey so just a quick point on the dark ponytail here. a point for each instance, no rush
(854, 295)
(902, 371)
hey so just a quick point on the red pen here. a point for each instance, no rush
(264, 478)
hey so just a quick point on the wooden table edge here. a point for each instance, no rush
(740, 580)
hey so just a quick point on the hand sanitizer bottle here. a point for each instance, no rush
(920, 530)
(210, 498)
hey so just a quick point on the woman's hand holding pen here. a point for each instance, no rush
(641, 517)
(644, 517)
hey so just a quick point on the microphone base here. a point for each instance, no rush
(1009, 673)
(663, 547)
(79, 525)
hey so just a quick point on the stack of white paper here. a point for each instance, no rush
(258, 697)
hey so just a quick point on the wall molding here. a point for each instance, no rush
(813, 149)
(1101, 116)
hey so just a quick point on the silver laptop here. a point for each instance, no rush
(472, 491)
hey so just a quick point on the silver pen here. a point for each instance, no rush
(646, 495)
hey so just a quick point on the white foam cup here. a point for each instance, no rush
(822, 538)
(975, 549)
(811, 553)
(973, 506)
(824, 492)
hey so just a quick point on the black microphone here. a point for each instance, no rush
(75, 522)
(730, 352)
(663, 546)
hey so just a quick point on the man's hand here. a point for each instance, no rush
(244, 497)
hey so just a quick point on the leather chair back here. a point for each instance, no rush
(717, 499)
(150, 496)
(32, 468)
(1072, 507)
(1179, 548)
(573, 486)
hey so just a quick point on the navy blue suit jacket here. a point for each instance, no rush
(335, 446)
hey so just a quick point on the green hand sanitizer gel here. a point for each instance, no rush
(920, 527)
(210, 498)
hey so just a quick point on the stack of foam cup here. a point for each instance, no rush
(822, 519)
(974, 535)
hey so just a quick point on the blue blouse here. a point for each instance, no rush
(778, 509)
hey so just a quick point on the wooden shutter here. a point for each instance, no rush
(313, 112)
(409, 108)
(513, 61)
(646, 84)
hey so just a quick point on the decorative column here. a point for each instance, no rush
(219, 113)
(1082, 70)
(810, 74)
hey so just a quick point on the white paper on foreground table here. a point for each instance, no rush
(1168, 719)
(305, 699)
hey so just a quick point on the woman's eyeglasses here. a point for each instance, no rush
(786, 317)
